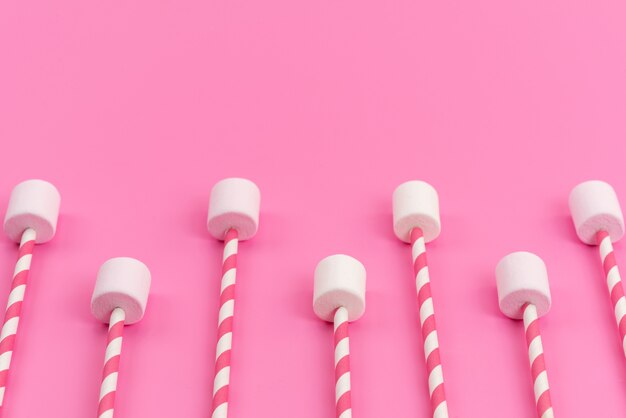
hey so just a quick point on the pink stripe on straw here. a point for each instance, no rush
(14, 307)
(221, 380)
(428, 325)
(614, 282)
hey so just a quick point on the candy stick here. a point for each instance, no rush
(429, 326)
(343, 397)
(14, 306)
(614, 283)
(106, 403)
(537, 363)
(225, 326)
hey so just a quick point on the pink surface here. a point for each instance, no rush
(135, 109)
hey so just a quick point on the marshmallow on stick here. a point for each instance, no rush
(119, 298)
(233, 216)
(598, 220)
(339, 297)
(524, 293)
(31, 218)
(416, 221)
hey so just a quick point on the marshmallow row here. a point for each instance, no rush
(339, 291)
(122, 285)
(522, 278)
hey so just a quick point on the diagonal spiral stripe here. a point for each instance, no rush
(106, 405)
(614, 283)
(14, 307)
(221, 381)
(429, 327)
(111, 367)
(537, 362)
(343, 398)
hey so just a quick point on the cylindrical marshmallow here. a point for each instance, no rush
(522, 278)
(339, 281)
(33, 204)
(124, 283)
(234, 204)
(416, 205)
(594, 207)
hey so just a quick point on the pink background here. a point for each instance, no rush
(135, 109)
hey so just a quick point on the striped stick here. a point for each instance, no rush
(614, 282)
(537, 363)
(429, 328)
(14, 307)
(343, 397)
(111, 364)
(221, 381)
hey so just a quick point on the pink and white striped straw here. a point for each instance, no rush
(428, 325)
(221, 381)
(14, 307)
(343, 397)
(537, 363)
(111, 368)
(614, 282)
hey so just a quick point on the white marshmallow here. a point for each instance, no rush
(122, 282)
(339, 282)
(234, 204)
(416, 204)
(33, 204)
(594, 207)
(522, 278)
